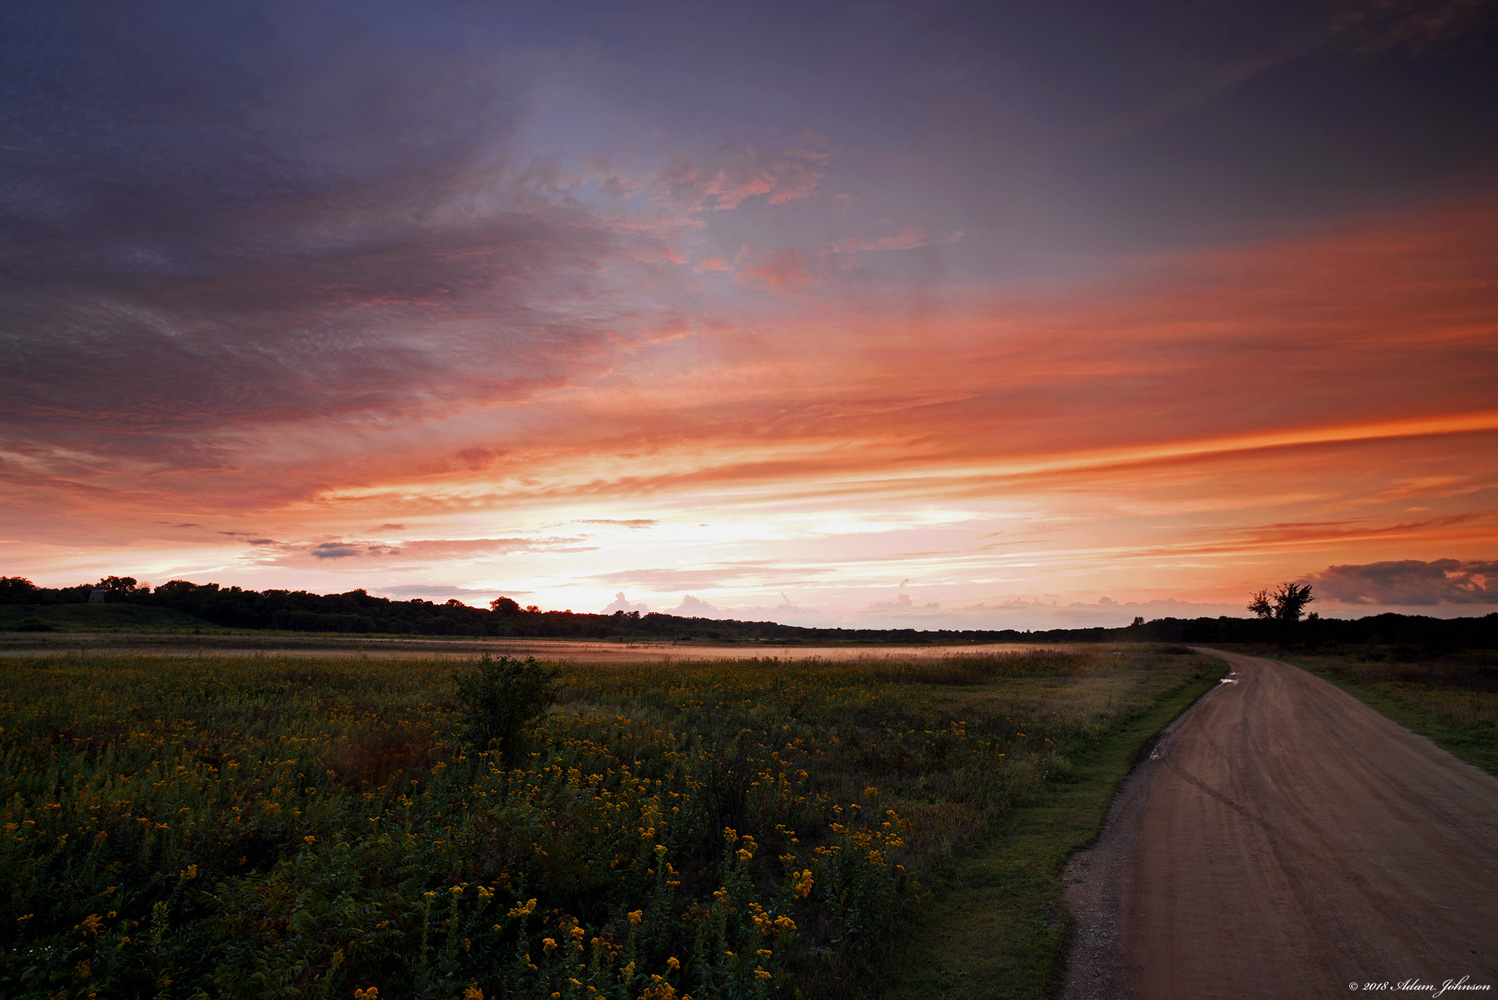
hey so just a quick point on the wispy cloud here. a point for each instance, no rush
(910, 238)
(409, 551)
(441, 590)
(671, 580)
(726, 180)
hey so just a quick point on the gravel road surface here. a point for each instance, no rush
(1284, 840)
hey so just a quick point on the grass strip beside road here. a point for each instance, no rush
(998, 929)
(1455, 704)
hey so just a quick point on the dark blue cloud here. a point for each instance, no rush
(223, 215)
(1410, 582)
(220, 213)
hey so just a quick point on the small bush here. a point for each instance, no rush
(499, 700)
(30, 624)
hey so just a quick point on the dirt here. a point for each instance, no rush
(1282, 839)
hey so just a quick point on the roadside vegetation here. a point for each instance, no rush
(1450, 697)
(273, 826)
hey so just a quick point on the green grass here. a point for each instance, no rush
(285, 826)
(998, 928)
(100, 618)
(1452, 699)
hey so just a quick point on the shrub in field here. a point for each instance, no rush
(500, 699)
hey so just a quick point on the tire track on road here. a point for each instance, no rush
(1285, 840)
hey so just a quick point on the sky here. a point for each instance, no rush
(931, 315)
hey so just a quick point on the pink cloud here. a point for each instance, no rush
(782, 270)
(810, 145)
(907, 239)
(738, 173)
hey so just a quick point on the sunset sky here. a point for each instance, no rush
(928, 314)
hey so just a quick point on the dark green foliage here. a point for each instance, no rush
(359, 612)
(17, 590)
(500, 699)
(31, 623)
(95, 618)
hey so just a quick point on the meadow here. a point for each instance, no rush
(291, 827)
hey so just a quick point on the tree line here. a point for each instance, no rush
(1278, 619)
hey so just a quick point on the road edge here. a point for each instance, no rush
(1015, 882)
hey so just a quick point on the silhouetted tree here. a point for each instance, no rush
(1286, 604)
(18, 590)
(122, 587)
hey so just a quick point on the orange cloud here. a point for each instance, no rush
(1205, 422)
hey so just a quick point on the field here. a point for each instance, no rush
(32, 619)
(282, 826)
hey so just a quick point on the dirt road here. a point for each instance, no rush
(1284, 840)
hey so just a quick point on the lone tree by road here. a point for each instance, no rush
(1286, 604)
